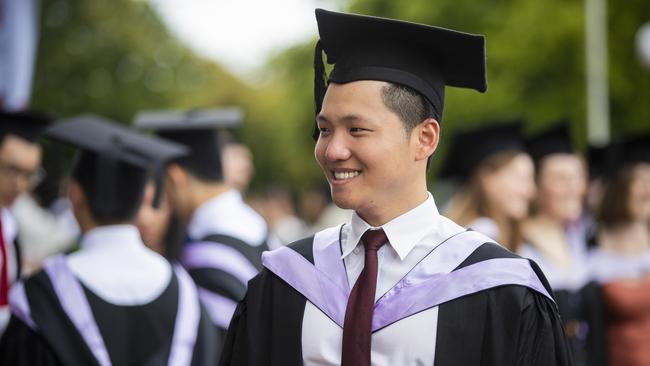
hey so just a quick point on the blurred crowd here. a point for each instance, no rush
(583, 217)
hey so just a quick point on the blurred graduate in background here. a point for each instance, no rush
(113, 301)
(621, 261)
(20, 171)
(496, 175)
(556, 239)
(224, 237)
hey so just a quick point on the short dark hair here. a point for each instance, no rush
(128, 190)
(409, 105)
(204, 159)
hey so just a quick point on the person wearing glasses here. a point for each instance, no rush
(20, 170)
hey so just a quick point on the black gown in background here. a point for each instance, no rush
(507, 325)
(221, 282)
(133, 335)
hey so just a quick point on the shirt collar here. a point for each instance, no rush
(116, 236)
(208, 213)
(403, 232)
(9, 225)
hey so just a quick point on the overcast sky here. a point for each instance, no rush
(241, 34)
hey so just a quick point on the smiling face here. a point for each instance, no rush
(510, 188)
(372, 165)
(562, 184)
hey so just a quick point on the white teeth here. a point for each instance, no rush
(345, 175)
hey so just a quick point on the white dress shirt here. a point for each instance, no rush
(228, 214)
(410, 341)
(115, 265)
(9, 231)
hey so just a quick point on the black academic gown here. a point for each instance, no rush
(507, 325)
(222, 282)
(583, 312)
(133, 335)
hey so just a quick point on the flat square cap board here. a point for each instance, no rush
(422, 57)
(193, 119)
(113, 143)
(198, 129)
(27, 125)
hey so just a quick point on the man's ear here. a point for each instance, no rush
(77, 197)
(177, 176)
(427, 134)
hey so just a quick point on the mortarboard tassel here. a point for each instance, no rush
(319, 83)
(106, 169)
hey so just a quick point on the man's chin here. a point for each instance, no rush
(345, 203)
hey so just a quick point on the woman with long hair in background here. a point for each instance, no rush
(498, 182)
(621, 263)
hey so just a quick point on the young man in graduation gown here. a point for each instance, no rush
(114, 301)
(225, 236)
(399, 284)
(20, 162)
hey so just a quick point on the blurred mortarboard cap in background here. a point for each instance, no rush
(112, 145)
(553, 140)
(192, 119)
(422, 57)
(468, 149)
(198, 129)
(628, 151)
(599, 158)
(635, 150)
(25, 124)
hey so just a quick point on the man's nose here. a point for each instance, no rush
(337, 149)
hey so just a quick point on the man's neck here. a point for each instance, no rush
(379, 215)
(203, 192)
(88, 226)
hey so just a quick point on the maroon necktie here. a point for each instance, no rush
(358, 313)
(4, 271)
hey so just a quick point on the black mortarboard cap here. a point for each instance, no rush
(197, 129)
(114, 144)
(554, 140)
(628, 151)
(422, 57)
(27, 125)
(468, 149)
(598, 159)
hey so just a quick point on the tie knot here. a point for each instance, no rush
(374, 239)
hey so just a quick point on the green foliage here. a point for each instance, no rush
(536, 65)
(629, 82)
(116, 57)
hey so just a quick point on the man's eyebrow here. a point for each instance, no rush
(349, 118)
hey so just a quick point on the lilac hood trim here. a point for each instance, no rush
(218, 256)
(75, 304)
(71, 296)
(19, 304)
(427, 285)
